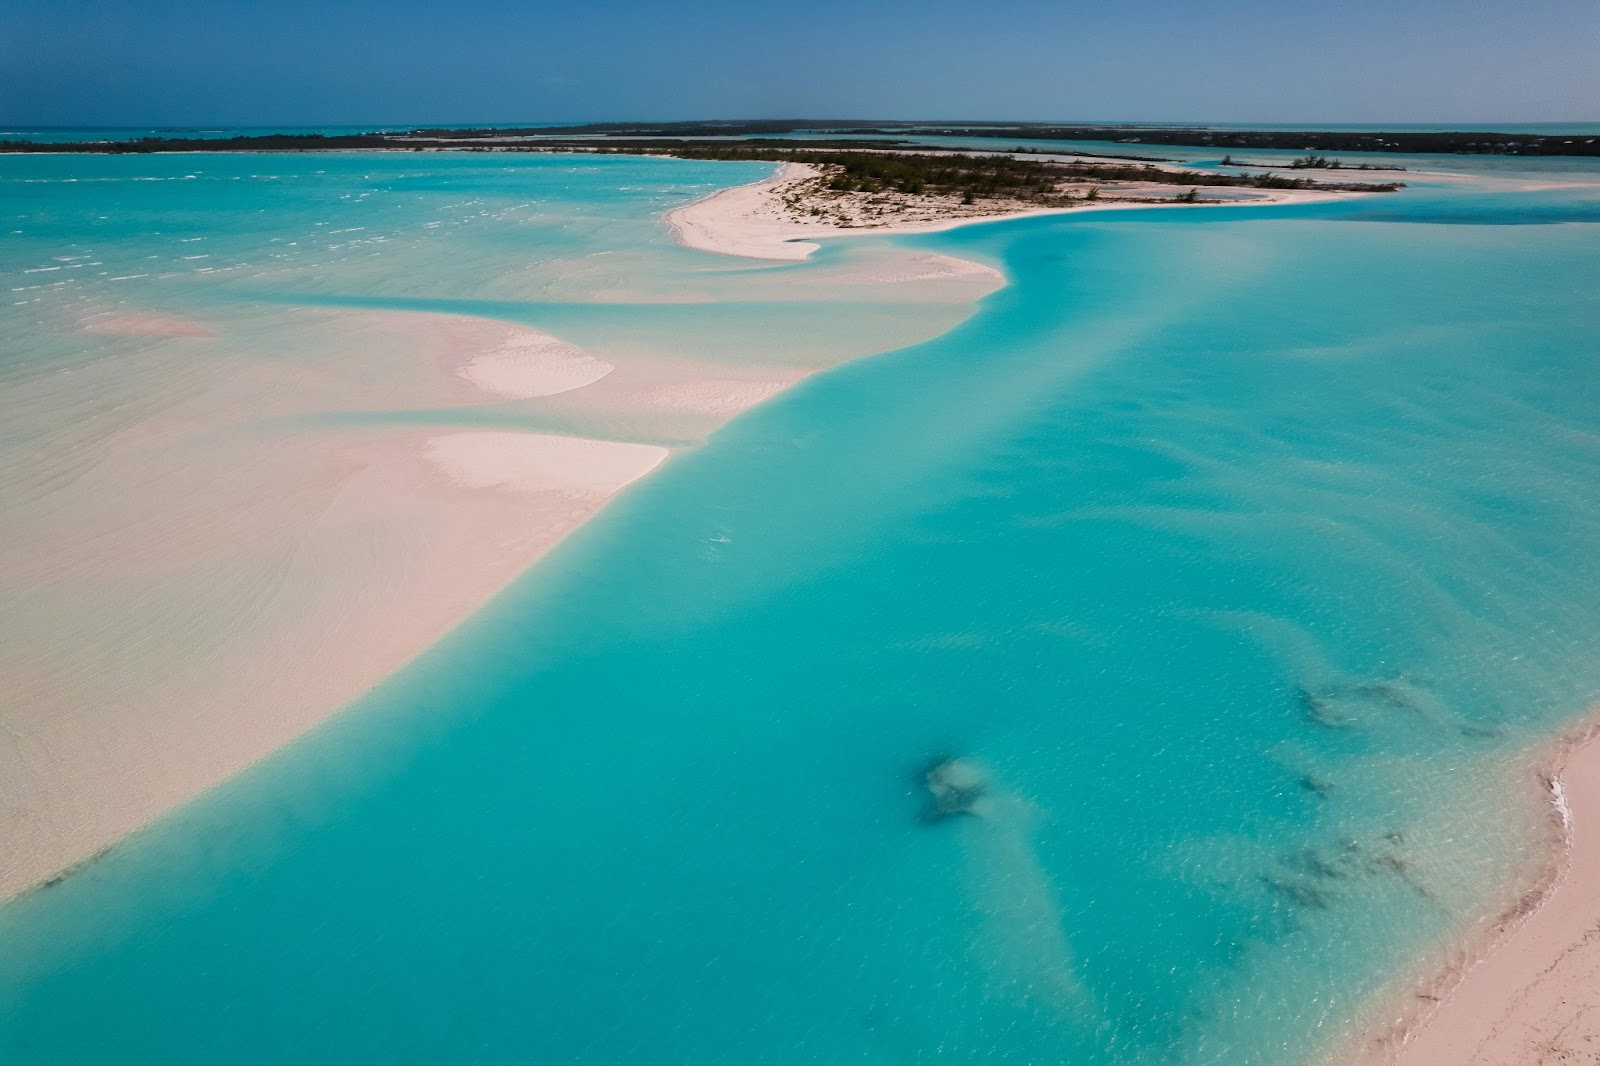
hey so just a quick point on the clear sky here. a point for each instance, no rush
(302, 62)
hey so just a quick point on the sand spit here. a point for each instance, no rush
(751, 220)
(920, 266)
(1530, 995)
(755, 220)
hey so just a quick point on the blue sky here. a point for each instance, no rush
(238, 62)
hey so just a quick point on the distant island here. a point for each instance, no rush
(1417, 142)
(853, 183)
(1403, 141)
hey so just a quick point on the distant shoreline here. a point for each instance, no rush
(893, 133)
(850, 186)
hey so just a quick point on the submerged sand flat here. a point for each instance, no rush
(186, 594)
(1529, 989)
(223, 527)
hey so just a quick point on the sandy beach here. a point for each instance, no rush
(1526, 994)
(755, 220)
(750, 220)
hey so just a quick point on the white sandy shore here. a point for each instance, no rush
(751, 220)
(240, 596)
(538, 462)
(748, 220)
(1530, 995)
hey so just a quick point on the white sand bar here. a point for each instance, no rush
(539, 462)
(528, 363)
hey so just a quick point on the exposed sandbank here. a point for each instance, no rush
(529, 363)
(750, 220)
(1528, 992)
(573, 467)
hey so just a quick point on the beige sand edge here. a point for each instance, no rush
(1527, 995)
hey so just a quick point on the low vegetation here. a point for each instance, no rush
(990, 177)
(849, 168)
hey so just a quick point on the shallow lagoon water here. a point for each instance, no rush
(1247, 552)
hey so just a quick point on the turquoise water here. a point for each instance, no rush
(1245, 551)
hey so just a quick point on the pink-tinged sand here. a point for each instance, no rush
(191, 578)
(571, 467)
(528, 363)
(1530, 993)
(248, 598)
(203, 556)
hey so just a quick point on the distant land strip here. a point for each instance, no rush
(850, 134)
(850, 174)
(1405, 141)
